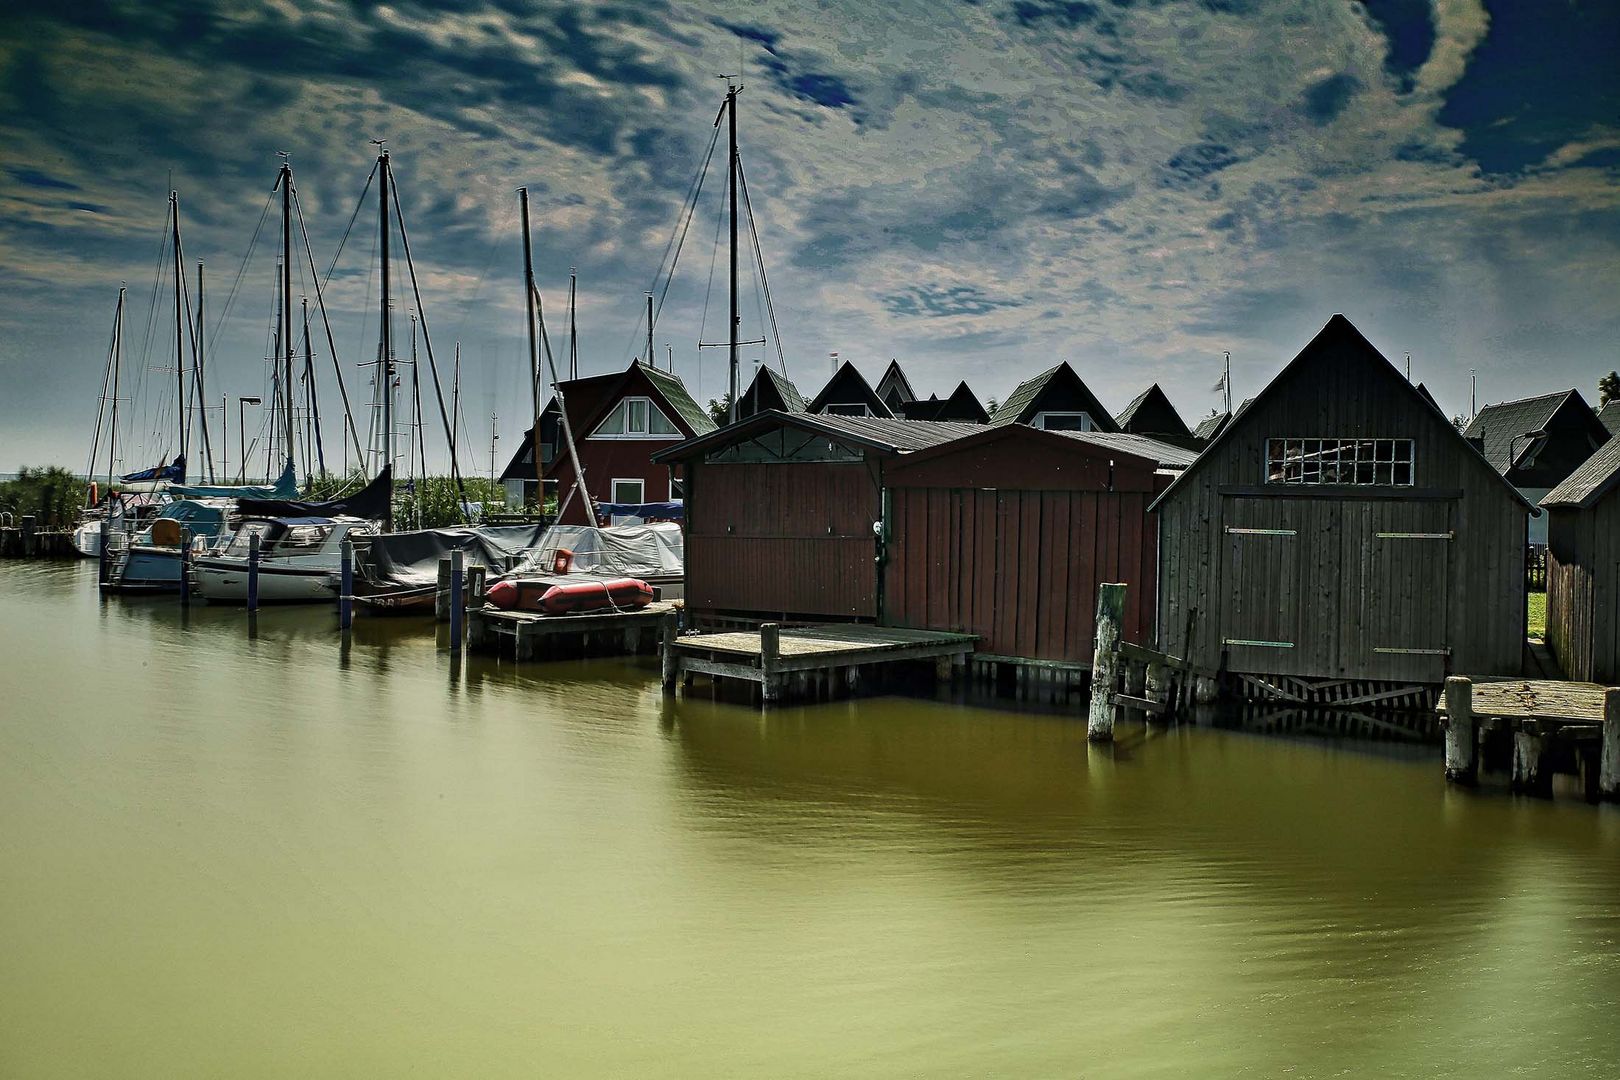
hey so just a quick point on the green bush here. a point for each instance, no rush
(53, 495)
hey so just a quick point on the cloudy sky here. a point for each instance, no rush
(977, 188)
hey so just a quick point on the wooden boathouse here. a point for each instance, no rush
(1340, 541)
(1583, 569)
(781, 508)
(1537, 442)
(1005, 534)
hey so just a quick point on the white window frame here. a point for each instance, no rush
(1341, 462)
(845, 408)
(1040, 418)
(640, 436)
(613, 490)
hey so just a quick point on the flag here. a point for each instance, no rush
(1220, 383)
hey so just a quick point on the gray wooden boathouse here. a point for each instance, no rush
(1583, 569)
(1340, 532)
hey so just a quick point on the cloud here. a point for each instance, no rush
(934, 301)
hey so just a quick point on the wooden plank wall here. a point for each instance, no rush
(1019, 568)
(791, 538)
(1344, 394)
(1583, 591)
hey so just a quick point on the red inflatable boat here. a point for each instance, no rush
(614, 594)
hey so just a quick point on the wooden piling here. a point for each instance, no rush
(666, 654)
(253, 573)
(1530, 775)
(185, 567)
(770, 654)
(1609, 750)
(441, 591)
(458, 601)
(1462, 744)
(1105, 662)
(103, 560)
(30, 540)
(346, 586)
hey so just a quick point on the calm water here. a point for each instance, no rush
(232, 857)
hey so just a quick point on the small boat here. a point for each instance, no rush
(398, 573)
(125, 514)
(151, 562)
(300, 559)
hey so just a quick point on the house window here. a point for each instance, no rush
(630, 492)
(1064, 421)
(636, 418)
(1363, 462)
(853, 409)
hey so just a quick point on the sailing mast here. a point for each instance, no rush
(731, 104)
(202, 396)
(387, 350)
(286, 302)
(534, 352)
(179, 326)
(117, 363)
(573, 330)
(314, 404)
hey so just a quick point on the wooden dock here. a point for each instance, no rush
(530, 635)
(815, 662)
(1535, 727)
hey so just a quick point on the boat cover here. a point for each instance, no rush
(285, 487)
(370, 503)
(412, 558)
(637, 551)
(175, 470)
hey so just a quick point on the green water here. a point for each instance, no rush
(234, 857)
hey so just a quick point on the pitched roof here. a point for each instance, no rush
(1610, 415)
(1211, 426)
(784, 386)
(1020, 404)
(1338, 327)
(1594, 478)
(1501, 426)
(674, 393)
(962, 406)
(848, 386)
(879, 433)
(894, 388)
(1167, 455)
(1151, 413)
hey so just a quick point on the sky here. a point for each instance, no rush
(979, 189)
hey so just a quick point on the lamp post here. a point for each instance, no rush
(241, 434)
(1513, 458)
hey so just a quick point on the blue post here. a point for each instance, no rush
(185, 567)
(458, 602)
(253, 572)
(346, 587)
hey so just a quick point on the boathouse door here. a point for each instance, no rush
(1260, 579)
(1405, 596)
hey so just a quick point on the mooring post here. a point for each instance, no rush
(30, 546)
(346, 586)
(102, 560)
(666, 647)
(185, 567)
(1530, 776)
(477, 583)
(458, 602)
(441, 592)
(1609, 751)
(1105, 662)
(253, 573)
(1462, 750)
(770, 654)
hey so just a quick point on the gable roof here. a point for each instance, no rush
(1337, 328)
(1163, 454)
(962, 406)
(1610, 417)
(846, 387)
(1020, 404)
(777, 390)
(1500, 426)
(1594, 478)
(1151, 413)
(894, 388)
(1211, 426)
(874, 432)
(674, 393)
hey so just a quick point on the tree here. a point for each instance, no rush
(991, 406)
(1609, 388)
(720, 410)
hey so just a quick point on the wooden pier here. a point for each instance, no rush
(529, 635)
(1535, 727)
(815, 662)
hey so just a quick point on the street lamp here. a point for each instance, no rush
(241, 435)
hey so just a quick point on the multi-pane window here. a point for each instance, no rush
(634, 418)
(1365, 462)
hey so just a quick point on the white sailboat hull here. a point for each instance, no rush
(301, 581)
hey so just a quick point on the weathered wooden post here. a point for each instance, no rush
(103, 563)
(1609, 751)
(477, 584)
(770, 654)
(668, 660)
(346, 585)
(1462, 750)
(1530, 775)
(185, 567)
(458, 602)
(253, 573)
(441, 592)
(29, 541)
(1156, 685)
(1105, 662)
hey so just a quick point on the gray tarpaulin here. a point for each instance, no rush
(412, 558)
(638, 551)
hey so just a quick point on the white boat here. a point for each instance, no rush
(299, 560)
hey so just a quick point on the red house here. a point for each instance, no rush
(617, 428)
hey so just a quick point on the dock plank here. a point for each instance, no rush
(1537, 699)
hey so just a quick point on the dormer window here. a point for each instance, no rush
(1063, 421)
(1361, 462)
(857, 408)
(636, 418)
